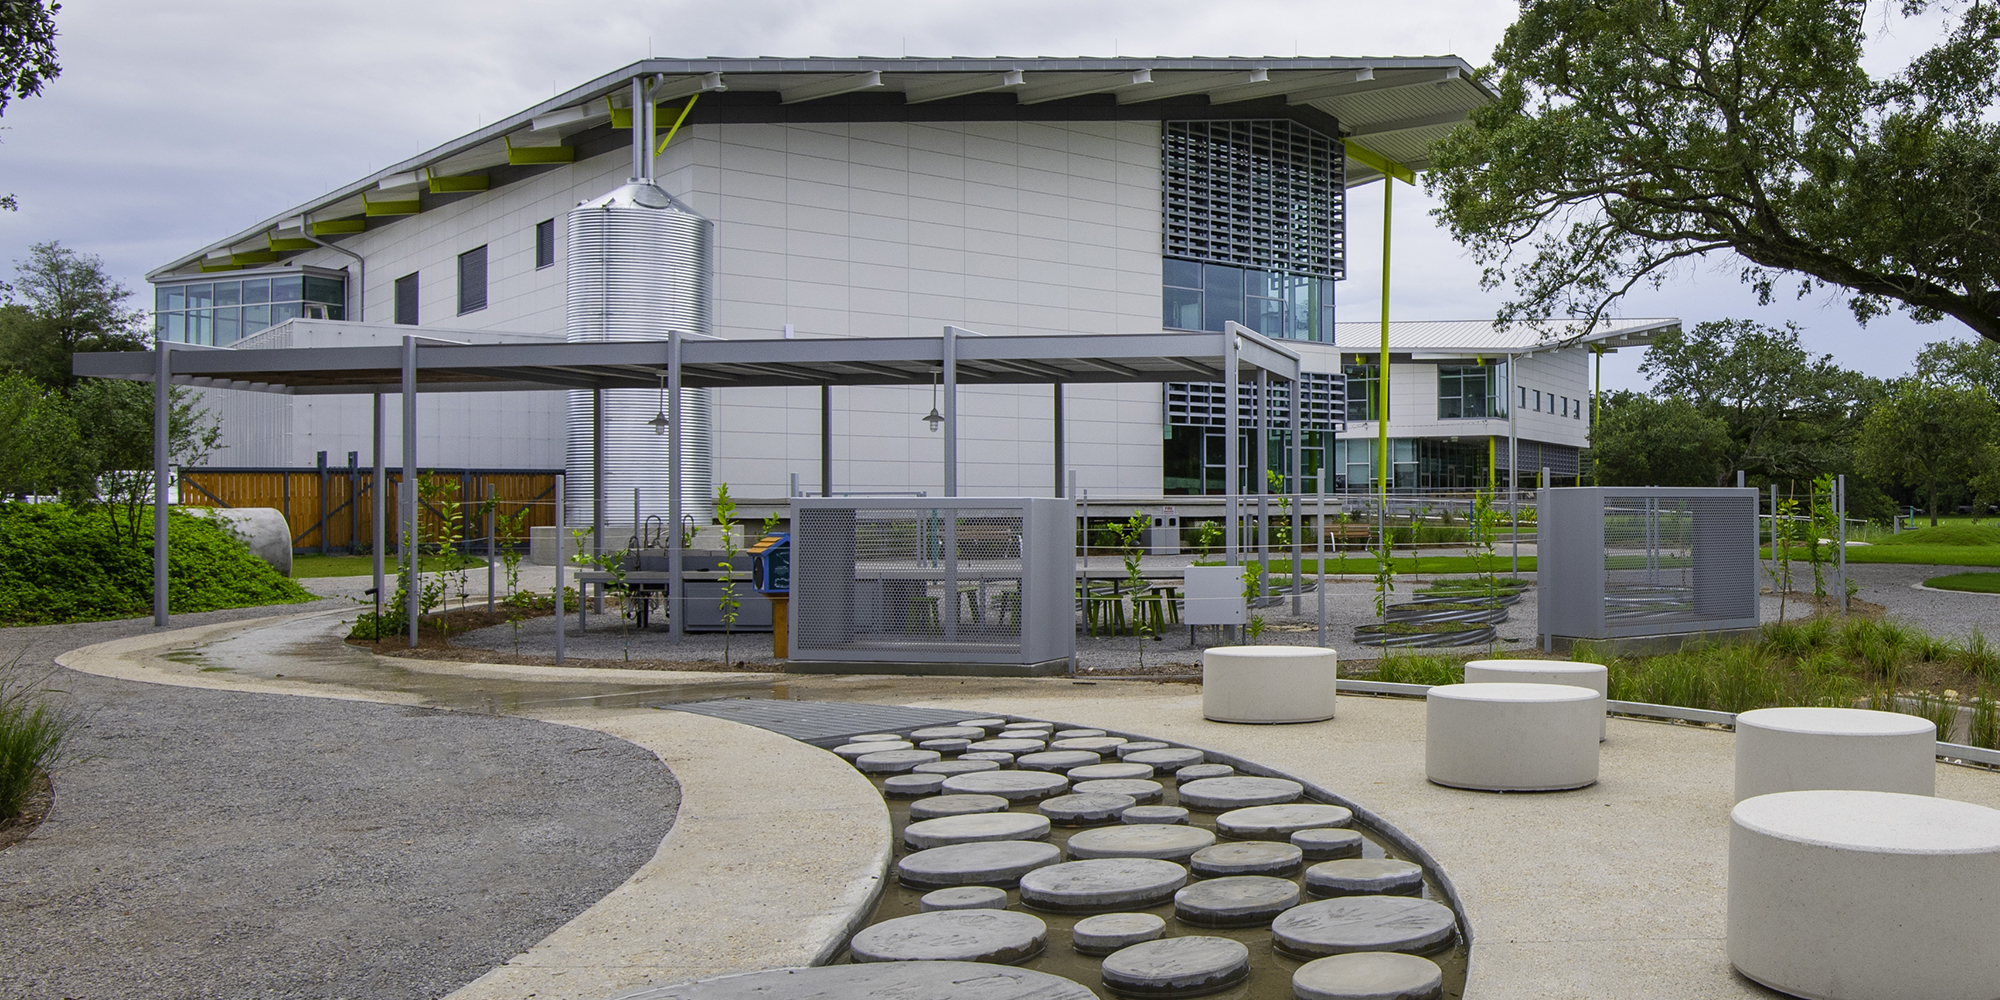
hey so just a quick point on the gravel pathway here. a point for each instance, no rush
(211, 844)
(1939, 612)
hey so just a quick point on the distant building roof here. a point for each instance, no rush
(1459, 337)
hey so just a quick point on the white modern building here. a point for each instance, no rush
(894, 197)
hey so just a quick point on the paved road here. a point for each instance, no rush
(207, 844)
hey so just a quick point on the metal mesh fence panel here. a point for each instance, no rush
(1622, 562)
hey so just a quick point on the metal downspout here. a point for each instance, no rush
(360, 313)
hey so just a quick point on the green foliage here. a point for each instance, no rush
(32, 732)
(1971, 583)
(729, 604)
(58, 565)
(1643, 440)
(1254, 629)
(1631, 137)
(1208, 537)
(27, 49)
(62, 303)
(1925, 435)
(1957, 533)
(1414, 668)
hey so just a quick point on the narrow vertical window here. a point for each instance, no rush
(545, 244)
(472, 280)
(406, 299)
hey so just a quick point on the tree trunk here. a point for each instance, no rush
(1933, 503)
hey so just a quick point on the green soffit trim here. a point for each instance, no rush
(403, 206)
(521, 156)
(254, 257)
(207, 267)
(454, 185)
(340, 227)
(1379, 163)
(286, 244)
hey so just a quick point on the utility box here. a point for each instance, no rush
(1622, 562)
(960, 585)
(1214, 596)
(1164, 537)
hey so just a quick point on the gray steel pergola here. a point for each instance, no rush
(956, 357)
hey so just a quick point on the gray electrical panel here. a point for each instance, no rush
(1620, 562)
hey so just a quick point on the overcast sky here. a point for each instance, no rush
(173, 125)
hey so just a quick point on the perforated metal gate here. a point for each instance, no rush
(918, 580)
(1624, 561)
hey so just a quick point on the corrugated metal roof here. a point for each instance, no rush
(1478, 336)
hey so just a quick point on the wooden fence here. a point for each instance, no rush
(332, 509)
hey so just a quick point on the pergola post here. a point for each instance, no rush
(379, 505)
(1260, 419)
(950, 411)
(1295, 483)
(162, 410)
(1230, 447)
(676, 592)
(826, 440)
(1057, 407)
(597, 487)
(412, 549)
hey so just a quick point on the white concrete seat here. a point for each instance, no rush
(1796, 749)
(1512, 737)
(1586, 675)
(1853, 895)
(1268, 684)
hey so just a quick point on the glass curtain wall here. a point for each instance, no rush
(1472, 392)
(221, 312)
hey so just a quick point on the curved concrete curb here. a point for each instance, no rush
(779, 852)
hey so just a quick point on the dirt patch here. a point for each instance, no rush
(434, 631)
(41, 798)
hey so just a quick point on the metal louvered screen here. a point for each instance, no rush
(1260, 194)
(472, 280)
(1623, 562)
(1199, 404)
(918, 580)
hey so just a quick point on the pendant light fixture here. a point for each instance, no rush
(934, 418)
(659, 421)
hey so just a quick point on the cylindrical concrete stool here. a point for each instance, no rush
(1799, 749)
(1268, 684)
(1512, 737)
(1848, 895)
(1583, 675)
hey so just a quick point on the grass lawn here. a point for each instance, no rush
(1978, 583)
(1916, 555)
(1360, 565)
(312, 566)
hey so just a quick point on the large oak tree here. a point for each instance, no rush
(1634, 135)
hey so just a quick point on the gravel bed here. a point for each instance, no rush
(216, 844)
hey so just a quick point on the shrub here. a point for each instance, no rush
(61, 564)
(32, 732)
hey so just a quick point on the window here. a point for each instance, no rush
(545, 244)
(1471, 391)
(1362, 395)
(1197, 296)
(406, 299)
(223, 311)
(472, 280)
(1538, 400)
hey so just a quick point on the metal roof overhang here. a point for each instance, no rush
(981, 360)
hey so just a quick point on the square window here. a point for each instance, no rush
(1183, 309)
(1180, 273)
(258, 290)
(472, 280)
(406, 299)
(545, 244)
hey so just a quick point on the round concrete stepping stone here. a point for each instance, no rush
(882, 981)
(894, 761)
(912, 786)
(1177, 967)
(1150, 815)
(1026, 732)
(850, 751)
(1196, 772)
(1327, 845)
(1172, 758)
(988, 724)
(974, 828)
(1236, 901)
(1099, 745)
(956, 805)
(945, 745)
(1002, 761)
(950, 733)
(1085, 809)
(1250, 857)
(951, 767)
(1363, 923)
(1001, 936)
(1279, 822)
(1104, 772)
(1369, 975)
(1030, 724)
(1102, 884)
(1108, 932)
(997, 863)
(877, 738)
(1365, 877)
(1055, 760)
(1014, 746)
(965, 897)
(1079, 733)
(1225, 794)
(1014, 786)
(1150, 840)
(1140, 789)
(1127, 749)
